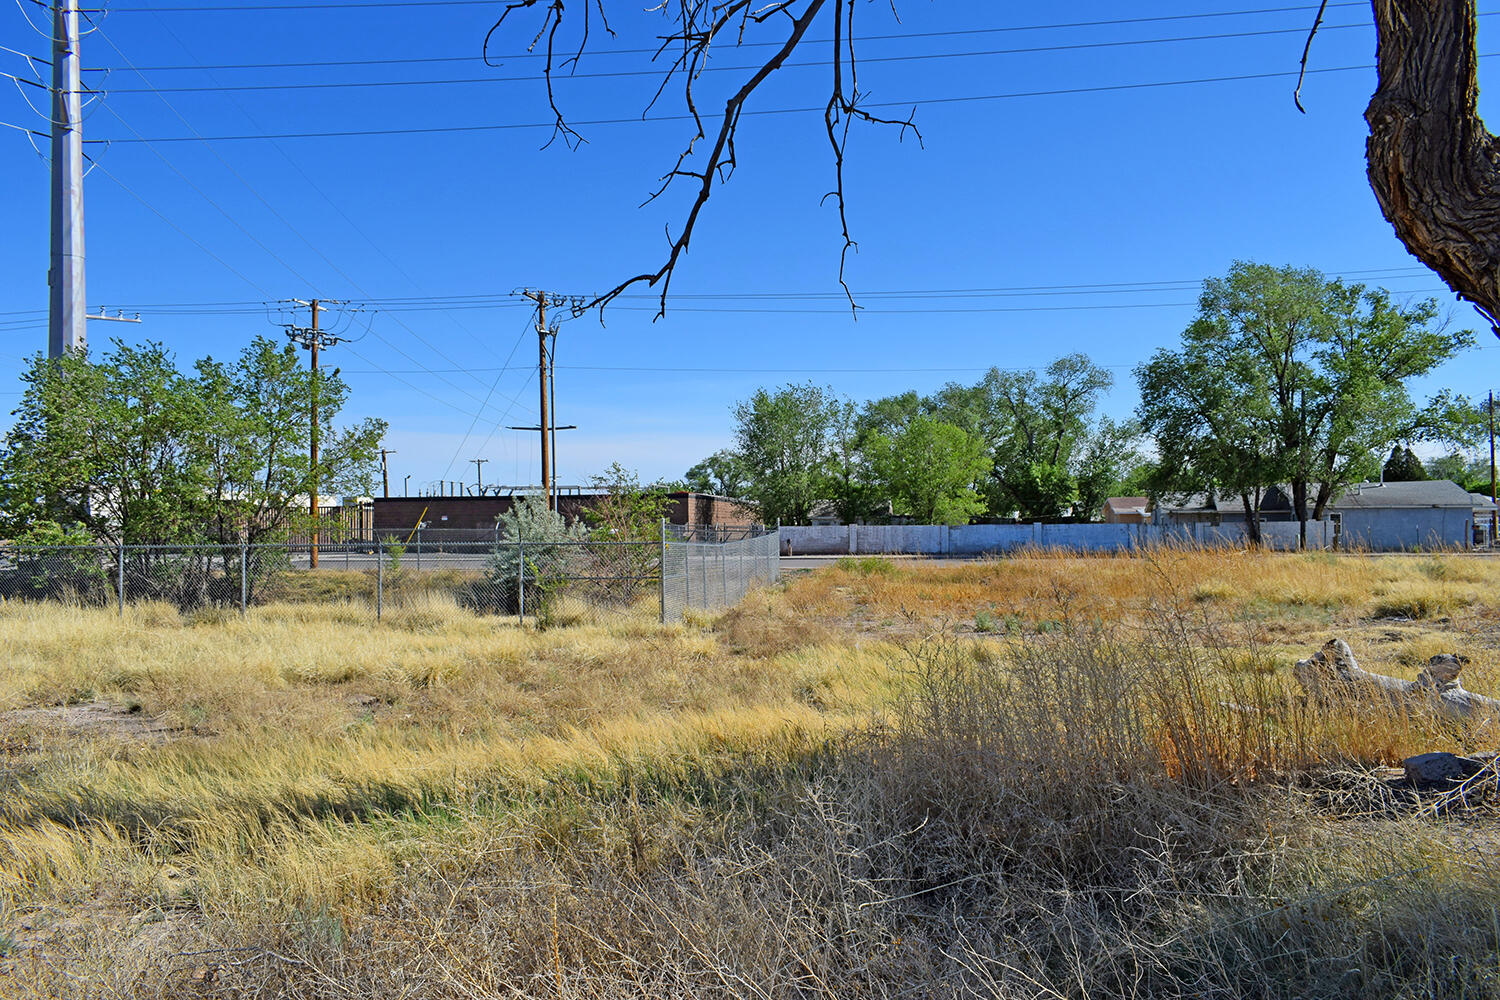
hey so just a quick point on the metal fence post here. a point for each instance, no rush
(120, 581)
(244, 578)
(662, 572)
(520, 574)
(379, 578)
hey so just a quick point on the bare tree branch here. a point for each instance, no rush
(699, 25)
(1306, 48)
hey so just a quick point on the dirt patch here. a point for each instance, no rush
(94, 718)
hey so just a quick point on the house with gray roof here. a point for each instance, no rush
(1391, 517)
(1380, 517)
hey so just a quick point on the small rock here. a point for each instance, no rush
(1426, 769)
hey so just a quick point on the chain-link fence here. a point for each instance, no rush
(547, 582)
(702, 573)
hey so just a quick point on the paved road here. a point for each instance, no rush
(801, 564)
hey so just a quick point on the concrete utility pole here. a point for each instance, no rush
(385, 473)
(66, 304)
(311, 339)
(479, 474)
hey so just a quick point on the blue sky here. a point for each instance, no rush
(1022, 228)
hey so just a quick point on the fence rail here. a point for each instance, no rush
(546, 581)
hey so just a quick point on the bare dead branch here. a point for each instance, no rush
(1306, 48)
(699, 26)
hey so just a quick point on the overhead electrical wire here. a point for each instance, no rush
(253, 284)
(317, 189)
(658, 71)
(295, 231)
(525, 328)
(907, 36)
(915, 103)
(359, 4)
(505, 300)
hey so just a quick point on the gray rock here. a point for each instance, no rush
(1427, 769)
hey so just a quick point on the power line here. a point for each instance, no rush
(658, 71)
(363, 4)
(293, 229)
(249, 306)
(253, 284)
(903, 36)
(297, 166)
(920, 102)
(525, 329)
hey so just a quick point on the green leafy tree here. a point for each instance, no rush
(1472, 472)
(783, 439)
(1212, 429)
(1403, 466)
(928, 469)
(113, 448)
(1048, 420)
(1289, 376)
(256, 442)
(1041, 489)
(130, 449)
(627, 511)
(721, 474)
(1108, 461)
(848, 481)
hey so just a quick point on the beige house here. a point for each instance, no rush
(1127, 510)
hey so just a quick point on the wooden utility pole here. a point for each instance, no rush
(312, 466)
(544, 370)
(1494, 515)
(479, 474)
(385, 473)
(313, 339)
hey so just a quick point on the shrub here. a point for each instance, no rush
(535, 552)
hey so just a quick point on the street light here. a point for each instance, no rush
(406, 486)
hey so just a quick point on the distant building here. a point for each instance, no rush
(1381, 517)
(473, 518)
(1484, 519)
(1127, 510)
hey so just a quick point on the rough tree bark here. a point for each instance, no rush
(1434, 166)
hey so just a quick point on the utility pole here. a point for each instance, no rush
(1494, 515)
(66, 302)
(544, 370)
(479, 474)
(385, 473)
(311, 339)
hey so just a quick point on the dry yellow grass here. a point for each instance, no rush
(308, 760)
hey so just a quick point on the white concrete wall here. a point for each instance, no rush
(985, 539)
(1404, 529)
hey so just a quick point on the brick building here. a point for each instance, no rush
(476, 515)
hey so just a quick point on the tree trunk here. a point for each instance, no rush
(1333, 672)
(1252, 519)
(1299, 510)
(1433, 165)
